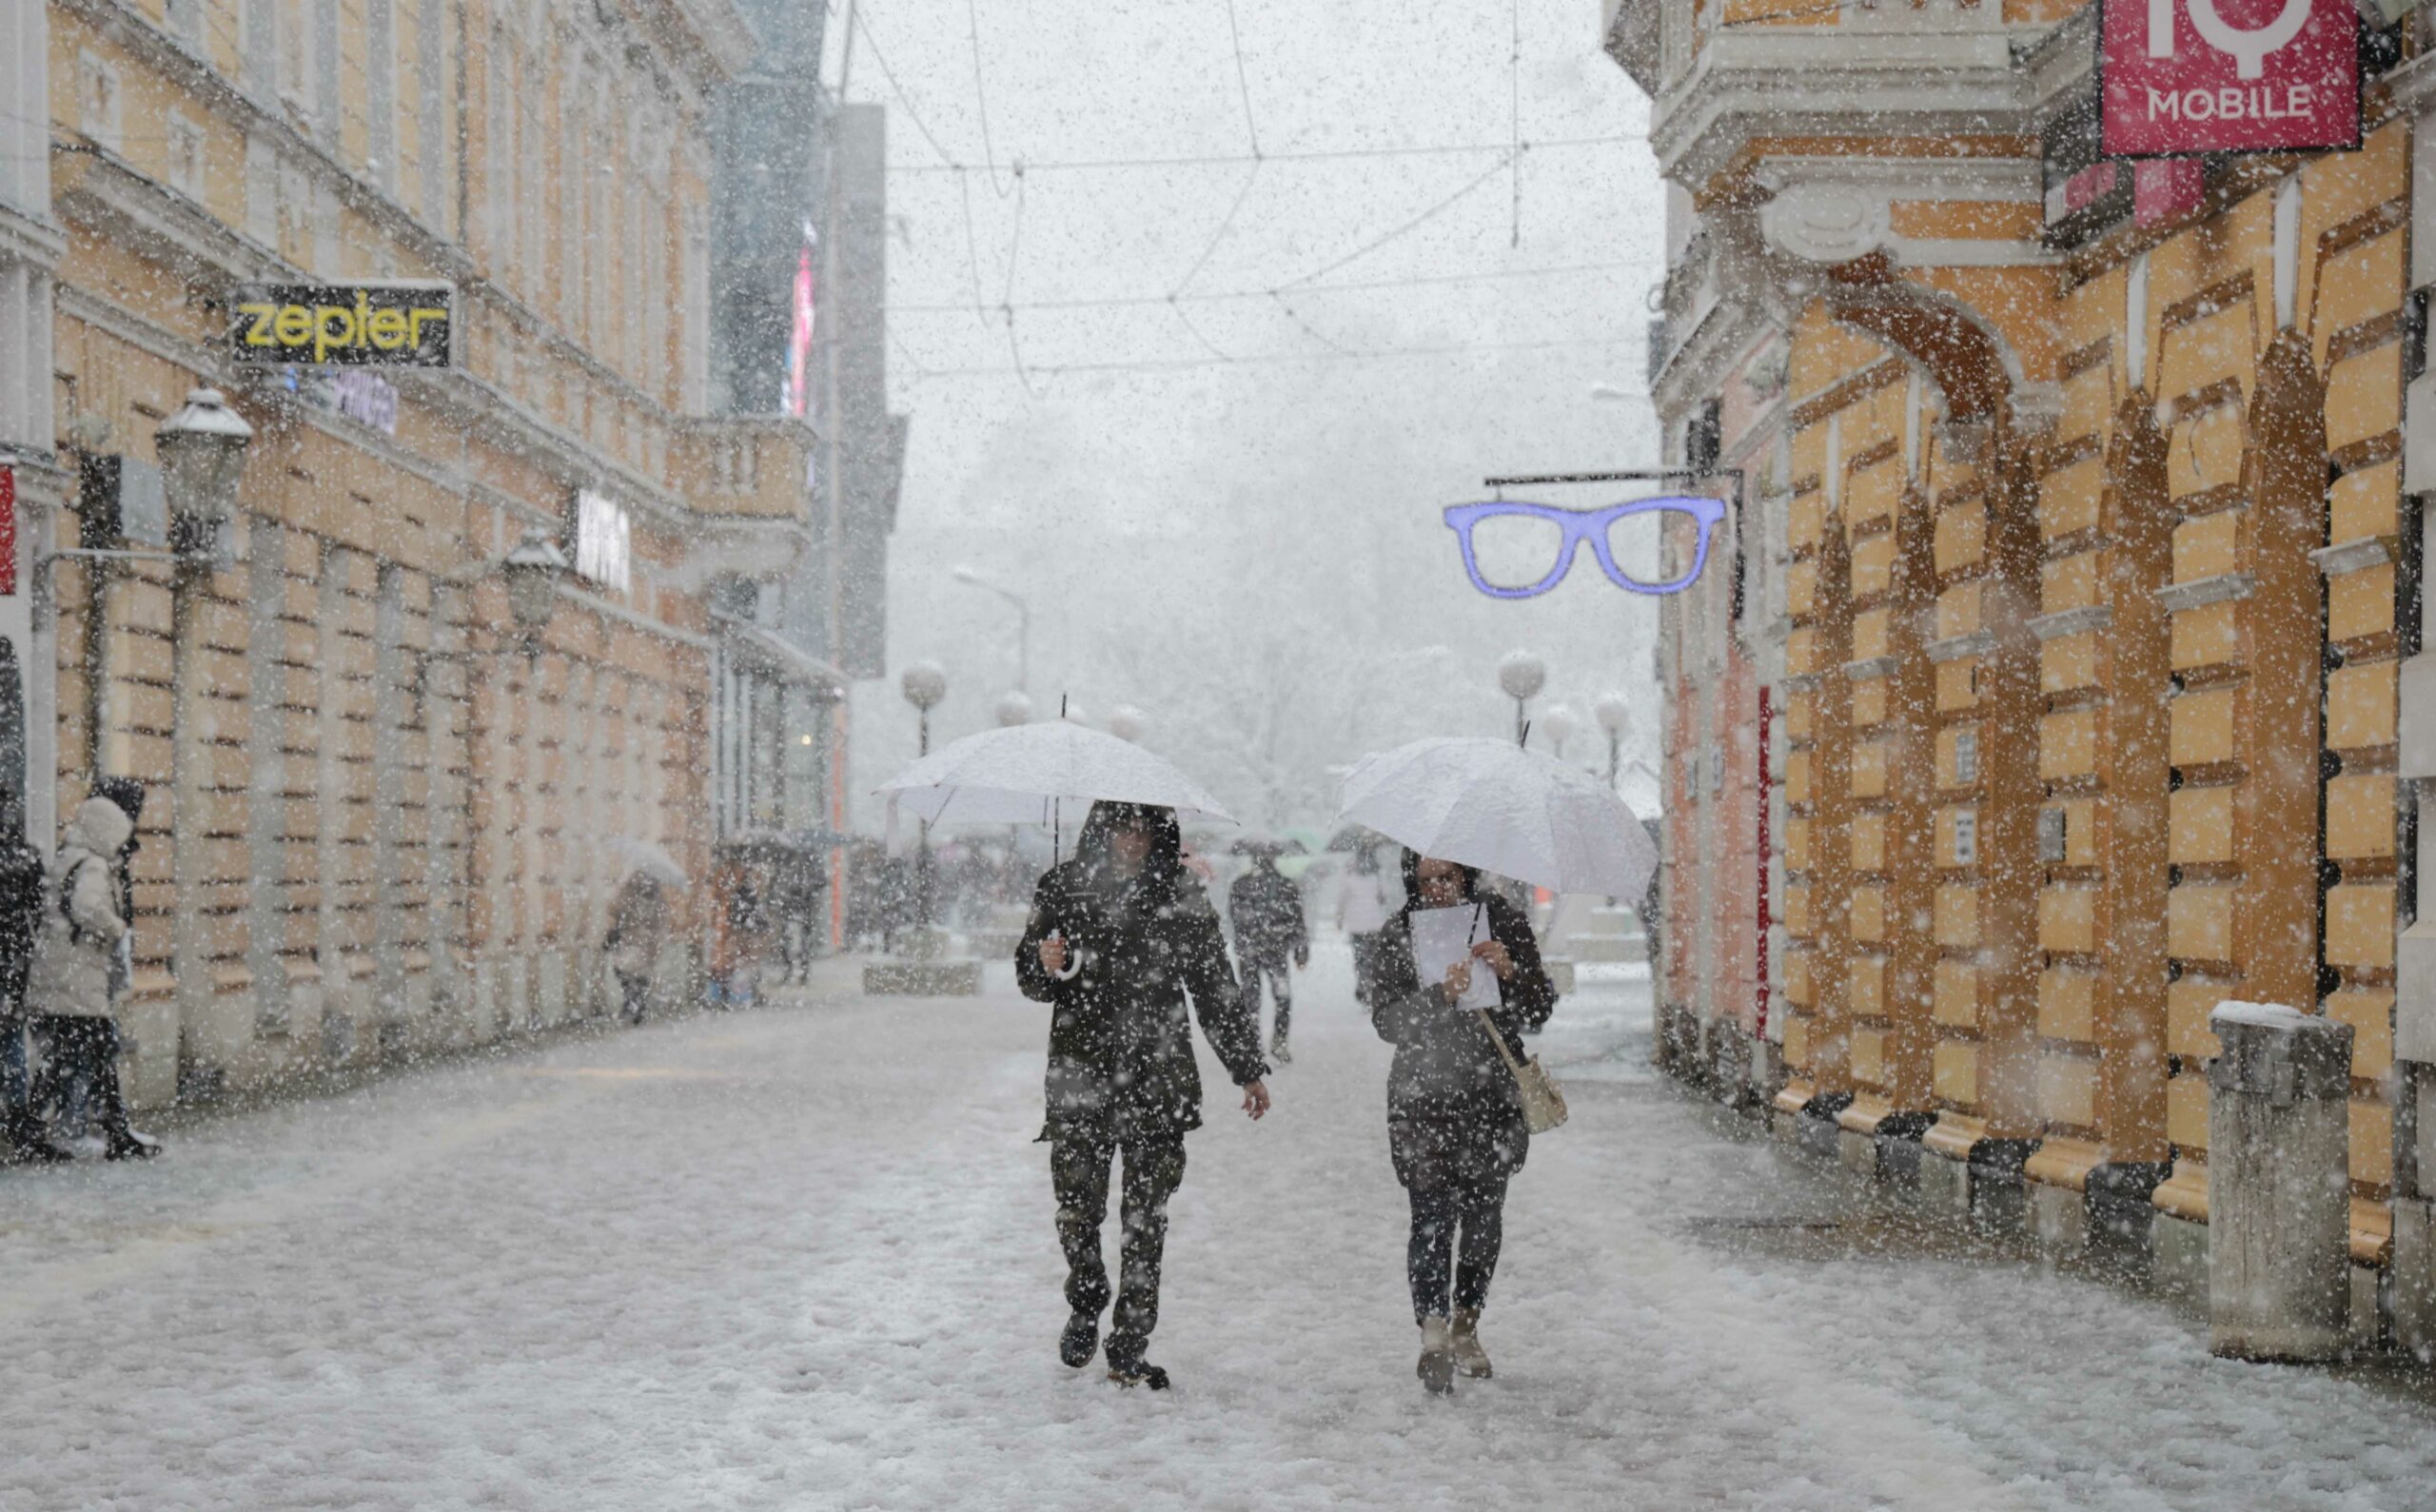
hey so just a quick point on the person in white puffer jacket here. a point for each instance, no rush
(68, 985)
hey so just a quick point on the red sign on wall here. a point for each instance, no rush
(2186, 76)
(8, 532)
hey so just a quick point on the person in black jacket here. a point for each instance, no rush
(1455, 1127)
(1266, 910)
(1118, 936)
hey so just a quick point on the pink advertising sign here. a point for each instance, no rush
(2188, 76)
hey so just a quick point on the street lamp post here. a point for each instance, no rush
(1614, 714)
(924, 685)
(1522, 675)
(1023, 622)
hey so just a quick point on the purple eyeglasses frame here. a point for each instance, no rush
(1579, 526)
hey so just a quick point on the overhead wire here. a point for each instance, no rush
(1219, 296)
(1243, 81)
(981, 94)
(1191, 160)
(1418, 220)
(1357, 354)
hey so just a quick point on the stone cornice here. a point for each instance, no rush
(27, 240)
(1846, 80)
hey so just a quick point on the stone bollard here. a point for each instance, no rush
(2279, 1188)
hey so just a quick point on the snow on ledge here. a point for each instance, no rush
(2257, 1015)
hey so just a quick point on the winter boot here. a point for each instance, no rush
(1471, 1359)
(1437, 1366)
(1081, 1339)
(125, 1144)
(26, 1142)
(1140, 1373)
(1126, 1367)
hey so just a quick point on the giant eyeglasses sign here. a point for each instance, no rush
(2188, 76)
(388, 324)
(1573, 529)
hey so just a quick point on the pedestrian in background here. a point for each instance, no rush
(22, 1134)
(1119, 935)
(79, 948)
(1265, 907)
(1455, 1126)
(1367, 896)
(638, 930)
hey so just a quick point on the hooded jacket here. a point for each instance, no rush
(1120, 1045)
(1450, 1096)
(80, 926)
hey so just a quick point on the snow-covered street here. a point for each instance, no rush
(802, 1257)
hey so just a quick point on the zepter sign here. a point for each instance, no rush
(2188, 76)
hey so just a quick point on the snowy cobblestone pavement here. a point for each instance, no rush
(803, 1258)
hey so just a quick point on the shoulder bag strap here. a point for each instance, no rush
(1498, 1040)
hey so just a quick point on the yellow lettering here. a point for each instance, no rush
(258, 334)
(295, 326)
(421, 315)
(323, 338)
(387, 329)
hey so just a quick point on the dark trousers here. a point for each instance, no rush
(1281, 987)
(1079, 1165)
(87, 1050)
(1458, 1226)
(634, 992)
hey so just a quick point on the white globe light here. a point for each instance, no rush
(1126, 722)
(1014, 709)
(1522, 675)
(1615, 712)
(924, 684)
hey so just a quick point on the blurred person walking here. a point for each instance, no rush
(1118, 937)
(638, 930)
(1265, 907)
(1367, 896)
(83, 948)
(1455, 1124)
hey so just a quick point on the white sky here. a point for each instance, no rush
(1162, 520)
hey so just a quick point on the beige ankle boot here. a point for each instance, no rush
(1437, 1366)
(1463, 1338)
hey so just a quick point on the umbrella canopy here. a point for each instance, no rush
(648, 856)
(1020, 773)
(1254, 846)
(1495, 806)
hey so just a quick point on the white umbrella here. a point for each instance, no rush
(644, 856)
(1495, 806)
(1020, 773)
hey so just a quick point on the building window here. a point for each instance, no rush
(380, 80)
(185, 152)
(97, 100)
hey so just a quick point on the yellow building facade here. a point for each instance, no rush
(382, 815)
(2085, 586)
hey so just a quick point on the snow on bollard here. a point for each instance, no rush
(2279, 1184)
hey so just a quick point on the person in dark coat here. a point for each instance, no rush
(1455, 1127)
(1119, 936)
(1265, 907)
(22, 891)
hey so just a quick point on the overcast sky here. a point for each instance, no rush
(1186, 491)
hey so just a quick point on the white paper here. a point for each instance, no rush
(1443, 936)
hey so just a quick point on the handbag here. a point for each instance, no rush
(1542, 1101)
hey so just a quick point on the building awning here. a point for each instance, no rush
(774, 656)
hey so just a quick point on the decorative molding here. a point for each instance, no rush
(1869, 667)
(2200, 592)
(1827, 223)
(1958, 648)
(2072, 621)
(1799, 681)
(2354, 556)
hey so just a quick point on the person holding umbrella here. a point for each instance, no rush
(1463, 1098)
(1118, 937)
(1455, 1125)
